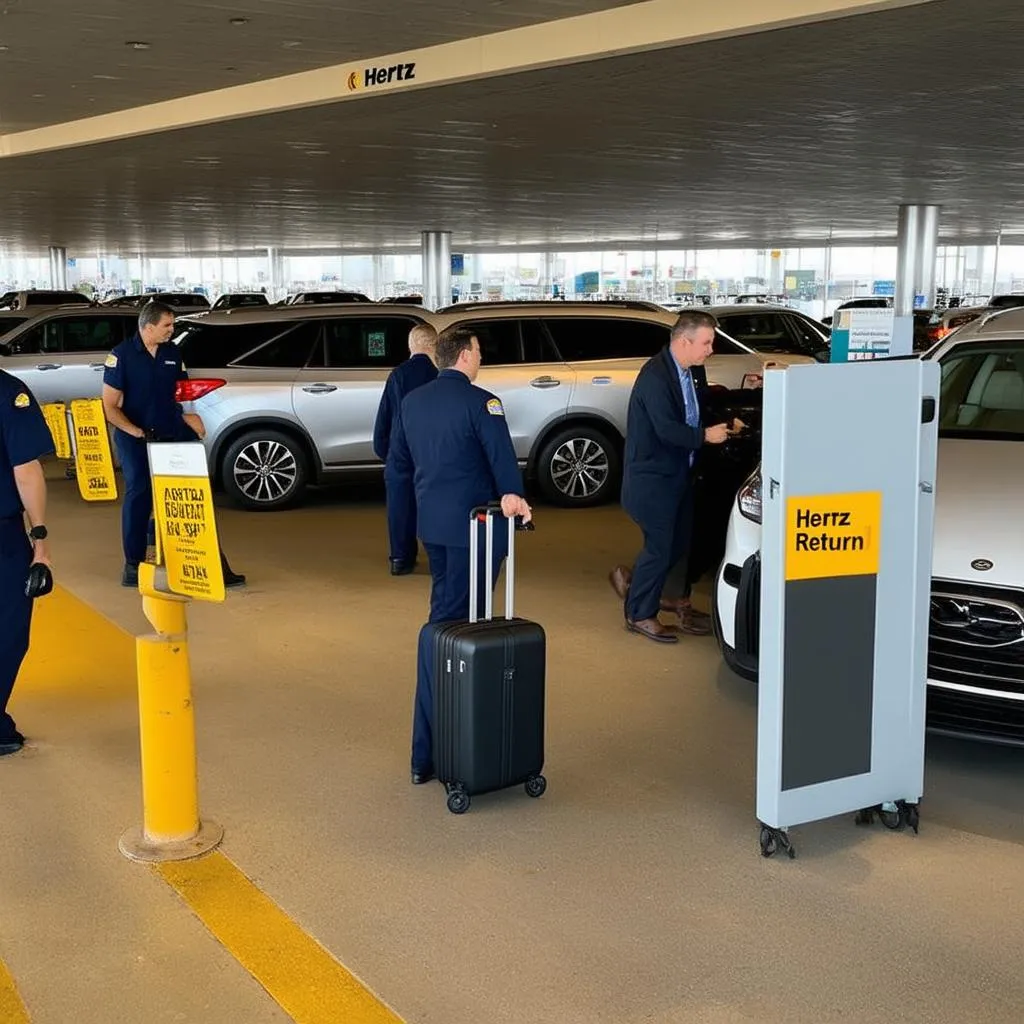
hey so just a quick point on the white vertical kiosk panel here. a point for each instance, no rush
(848, 475)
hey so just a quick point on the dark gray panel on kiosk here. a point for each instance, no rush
(829, 671)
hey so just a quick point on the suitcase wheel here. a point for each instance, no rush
(458, 801)
(535, 787)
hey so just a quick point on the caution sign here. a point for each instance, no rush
(831, 535)
(56, 416)
(94, 464)
(185, 523)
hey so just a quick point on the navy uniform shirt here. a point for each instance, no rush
(148, 384)
(454, 438)
(412, 374)
(25, 438)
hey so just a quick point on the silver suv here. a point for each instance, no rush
(289, 394)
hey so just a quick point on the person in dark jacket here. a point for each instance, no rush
(664, 434)
(417, 370)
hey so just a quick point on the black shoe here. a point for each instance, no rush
(422, 776)
(11, 747)
(233, 579)
(130, 576)
(400, 567)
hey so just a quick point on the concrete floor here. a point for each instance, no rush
(633, 891)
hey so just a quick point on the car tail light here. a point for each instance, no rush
(191, 390)
(749, 498)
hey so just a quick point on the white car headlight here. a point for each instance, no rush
(749, 498)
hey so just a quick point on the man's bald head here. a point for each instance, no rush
(422, 338)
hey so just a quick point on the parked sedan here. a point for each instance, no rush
(976, 632)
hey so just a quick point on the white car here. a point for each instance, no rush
(976, 631)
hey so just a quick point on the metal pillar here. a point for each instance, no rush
(917, 241)
(437, 268)
(58, 267)
(995, 264)
(275, 273)
(378, 275)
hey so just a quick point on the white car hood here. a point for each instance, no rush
(979, 501)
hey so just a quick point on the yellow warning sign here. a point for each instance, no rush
(56, 416)
(833, 535)
(94, 465)
(185, 521)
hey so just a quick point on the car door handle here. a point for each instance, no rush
(48, 366)
(600, 380)
(320, 389)
(545, 382)
(97, 366)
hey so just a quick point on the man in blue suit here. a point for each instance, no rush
(417, 370)
(664, 433)
(452, 437)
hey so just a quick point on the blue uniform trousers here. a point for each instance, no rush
(667, 529)
(15, 559)
(401, 504)
(138, 496)
(449, 602)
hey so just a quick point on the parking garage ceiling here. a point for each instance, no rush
(781, 137)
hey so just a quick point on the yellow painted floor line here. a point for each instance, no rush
(300, 975)
(12, 1009)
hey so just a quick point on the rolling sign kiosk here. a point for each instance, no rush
(848, 470)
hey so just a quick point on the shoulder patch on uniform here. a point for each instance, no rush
(494, 407)
(184, 368)
(111, 361)
(22, 401)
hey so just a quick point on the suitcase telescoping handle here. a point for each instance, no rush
(485, 514)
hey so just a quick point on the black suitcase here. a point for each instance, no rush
(488, 725)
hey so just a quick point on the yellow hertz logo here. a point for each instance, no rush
(381, 76)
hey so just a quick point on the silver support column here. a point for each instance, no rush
(917, 241)
(58, 267)
(437, 268)
(275, 274)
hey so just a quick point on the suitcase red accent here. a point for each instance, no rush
(488, 727)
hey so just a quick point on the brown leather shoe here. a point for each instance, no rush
(620, 578)
(653, 630)
(690, 620)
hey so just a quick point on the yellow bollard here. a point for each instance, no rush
(171, 829)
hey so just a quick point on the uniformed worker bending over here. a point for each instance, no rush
(417, 370)
(139, 385)
(24, 440)
(454, 439)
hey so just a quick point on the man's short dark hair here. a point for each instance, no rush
(152, 313)
(451, 343)
(689, 320)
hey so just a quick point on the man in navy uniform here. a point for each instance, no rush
(417, 370)
(24, 440)
(453, 437)
(139, 384)
(663, 436)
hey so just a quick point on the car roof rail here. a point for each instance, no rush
(652, 307)
(996, 314)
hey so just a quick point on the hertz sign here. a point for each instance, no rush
(381, 76)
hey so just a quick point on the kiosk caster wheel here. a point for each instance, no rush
(890, 817)
(458, 801)
(535, 787)
(775, 839)
(911, 815)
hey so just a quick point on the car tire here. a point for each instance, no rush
(579, 466)
(264, 470)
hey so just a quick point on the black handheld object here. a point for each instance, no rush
(39, 582)
(480, 514)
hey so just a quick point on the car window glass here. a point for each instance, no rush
(983, 391)
(89, 334)
(290, 349)
(499, 341)
(214, 346)
(763, 332)
(804, 336)
(29, 343)
(8, 323)
(358, 343)
(725, 346)
(537, 346)
(579, 339)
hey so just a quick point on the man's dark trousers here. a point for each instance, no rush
(449, 602)
(401, 510)
(667, 527)
(15, 559)
(138, 495)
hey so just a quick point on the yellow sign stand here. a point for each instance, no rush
(56, 416)
(185, 523)
(93, 460)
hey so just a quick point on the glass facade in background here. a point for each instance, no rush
(814, 280)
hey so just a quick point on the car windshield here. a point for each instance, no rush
(982, 393)
(1007, 302)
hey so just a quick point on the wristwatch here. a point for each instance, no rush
(38, 533)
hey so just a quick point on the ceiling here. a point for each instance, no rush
(775, 138)
(60, 61)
